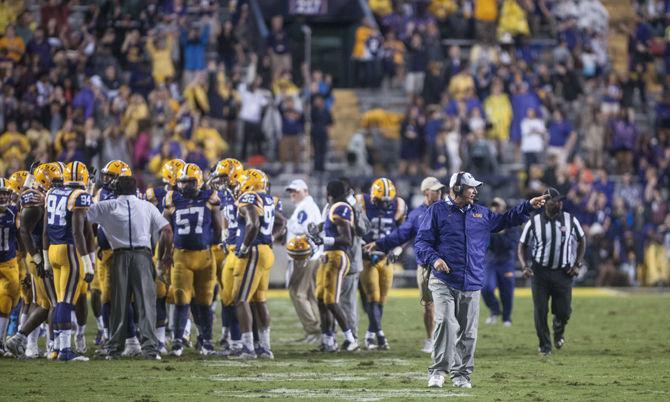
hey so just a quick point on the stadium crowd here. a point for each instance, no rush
(526, 99)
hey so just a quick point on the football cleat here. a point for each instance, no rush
(177, 348)
(264, 353)
(383, 343)
(100, 337)
(507, 324)
(162, 350)
(558, 342)
(80, 344)
(461, 382)
(348, 346)
(492, 319)
(32, 352)
(370, 344)
(67, 355)
(206, 348)
(330, 348)
(17, 344)
(4, 352)
(186, 342)
(242, 354)
(436, 381)
(132, 348)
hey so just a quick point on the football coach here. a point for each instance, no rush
(453, 239)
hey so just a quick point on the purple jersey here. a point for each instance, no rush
(340, 211)
(61, 203)
(192, 218)
(8, 233)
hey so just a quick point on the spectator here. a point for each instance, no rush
(562, 137)
(499, 113)
(367, 44)
(512, 20)
(533, 138)
(14, 142)
(412, 144)
(193, 41)
(417, 64)
(623, 140)
(159, 47)
(228, 46)
(252, 102)
(321, 121)
(292, 130)
(485, 15)
(12, 44)
(278, 43)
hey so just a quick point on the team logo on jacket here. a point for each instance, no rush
(477, 215)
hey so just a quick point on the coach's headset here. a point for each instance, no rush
(458, 186)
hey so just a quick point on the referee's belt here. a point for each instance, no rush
(133, 249)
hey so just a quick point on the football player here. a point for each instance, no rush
(156, 196)
(66, 252)
(16, 182)
(9, 268)
(386, 211)
(337, 239)
(24, 342)
(224, 179)
(256, 221)
(194, 214)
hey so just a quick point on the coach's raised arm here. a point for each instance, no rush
(452, 240)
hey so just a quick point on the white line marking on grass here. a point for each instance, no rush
(363, 395)
(304, 376)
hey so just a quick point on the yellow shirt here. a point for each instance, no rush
(363, 33)
(441, 8)
(460, 84)
(512, 19)
(195, 94)
(161, 59)
(381, 8)
(486, 10)
(387, 122)
(14, 142)
(14, 47)
(498, 110)
(214, 145)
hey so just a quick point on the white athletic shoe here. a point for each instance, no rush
(436, 381)
(80, 344)
(461, 382)
(370, 344)
(493, 319)
(132, 348)
(507, 324)
(32, 352)
(427, 346)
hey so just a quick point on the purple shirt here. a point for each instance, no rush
(559, 132)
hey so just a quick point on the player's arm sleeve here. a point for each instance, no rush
(513, 217)
(525, 232)
(427, 238)
(78, 199)
(398, 237)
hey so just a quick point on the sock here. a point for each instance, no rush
(81, 330)
(235, 333)
(73, 318)
(160, 334)
(181, 320)
(105, 315)
(56, 340)
(187, 327)
(64, 339)
(99, 323)
(206, 319)
(32, 338)
(369, 335)
(377, 316)
(349, 336)
(171, 316)
(4, 323)
(225, 333)
(22, 319)
(380, 334)
(264, 335)
(248, 340)
(328, 339)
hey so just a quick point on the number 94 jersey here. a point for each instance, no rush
(265, 206)
(382, 221)
(61, 202)
(191, 218)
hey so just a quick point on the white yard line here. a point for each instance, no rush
(362, 395)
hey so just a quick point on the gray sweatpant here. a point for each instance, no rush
(455, 334)
(132, 273)
(348, 295)
(301, 289)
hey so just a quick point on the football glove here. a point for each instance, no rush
(394, 255)
(314, 234)
(88, 269)
(242, 251)
(39, 264)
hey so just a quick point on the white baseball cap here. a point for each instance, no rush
(297, 185)
(431, 183)
(467, 179)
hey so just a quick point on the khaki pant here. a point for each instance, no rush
(301, 289)
(290, 148)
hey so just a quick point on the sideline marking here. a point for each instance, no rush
(363, 395)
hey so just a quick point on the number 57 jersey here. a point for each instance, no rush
(60, 202)
(192, 218)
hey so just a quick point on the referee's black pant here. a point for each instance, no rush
(557, 285)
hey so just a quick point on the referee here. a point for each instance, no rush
(551, 235)
(129, 224)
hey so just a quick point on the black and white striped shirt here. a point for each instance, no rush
(552, 240)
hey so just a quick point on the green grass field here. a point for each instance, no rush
(618, 348)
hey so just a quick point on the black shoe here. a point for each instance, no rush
(559, 342)
(544, 352)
